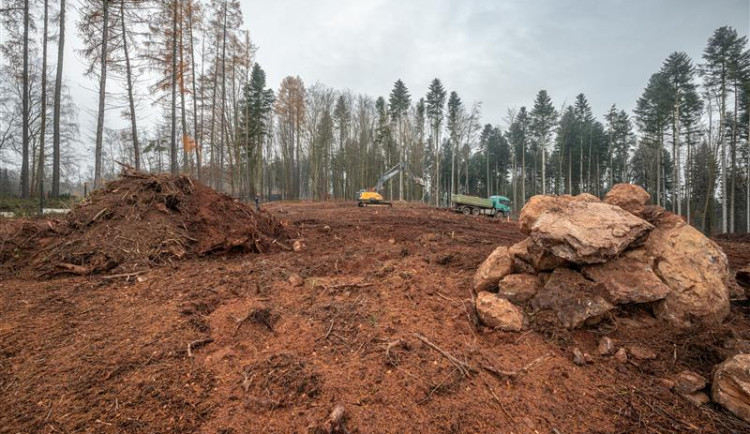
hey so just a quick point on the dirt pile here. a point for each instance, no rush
(138, 221)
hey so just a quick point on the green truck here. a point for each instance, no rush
(478, 205)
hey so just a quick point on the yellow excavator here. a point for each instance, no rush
(373, 196)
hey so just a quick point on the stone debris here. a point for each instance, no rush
(498, 313)
(584, 258)
(731, 385)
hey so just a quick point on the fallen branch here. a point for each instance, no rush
(75, 269)
(125, 275)
(513, 374)
(350, 285)
(463, 367)
(196, 344)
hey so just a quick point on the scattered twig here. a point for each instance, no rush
(75, 269)
(328, 333)
(427, 398)
(125, 275)
(196, 344)
(500, 403)
(99, 214)
(350, 285)
(513, 374)
(463, 367)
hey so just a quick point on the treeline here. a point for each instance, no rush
(223, 123)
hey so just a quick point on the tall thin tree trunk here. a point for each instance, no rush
(544, 166)
(102, 95)
(733, 187)
(173, 166)
(198, 140)
(57, 105)
(131, 97)
(25, 182)
(223, 99)
(43, 108)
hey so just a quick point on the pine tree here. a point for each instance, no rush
(543, 121)
(435, 114)
(399, 103)
(723, 59)
(455, 113)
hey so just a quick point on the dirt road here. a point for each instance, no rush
(236, 344)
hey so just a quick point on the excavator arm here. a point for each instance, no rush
(395, 171)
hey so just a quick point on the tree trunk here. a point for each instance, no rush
(131, 98)
(102, 95)
(25, 182)
(196, 137)
(57, 104)
(733, 187)
(223, 100)
(173, 167)
(43, 109)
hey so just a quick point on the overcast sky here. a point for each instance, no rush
(498, 52)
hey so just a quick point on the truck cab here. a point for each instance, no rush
(501, 204)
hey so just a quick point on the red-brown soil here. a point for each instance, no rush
(101, 354)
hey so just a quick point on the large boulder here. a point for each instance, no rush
(519, 288)
(533, 255)
(498, 313)
(535, 206)
(731, 386)
(695, 269)
(588, 232)
(494, 268)
(629, 197)
(629, 278)
(574, 299)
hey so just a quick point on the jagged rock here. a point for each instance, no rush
(578, 357)
(538, 204)
(298, 246)
(606, 346)
(652, 214)
(629, 278)
(519, 288)
(695, 269)
(494, 268)
(697, 398)
(498, 313)
(586, 197)
(574, 299)
(666, 383)
(641, 353)
(629, 197)
(588, 232)
(731, 385)
(621, 355)
(296, 280)
(689, 382)
(535, 256)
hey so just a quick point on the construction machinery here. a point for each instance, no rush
(478, 205)
(373, 196)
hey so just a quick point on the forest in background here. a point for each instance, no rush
(224, 124)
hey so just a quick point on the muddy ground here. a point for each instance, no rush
(227, 344)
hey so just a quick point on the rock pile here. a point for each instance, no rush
(584, 257)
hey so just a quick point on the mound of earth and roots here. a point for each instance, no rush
(136, 222)
(367, 324)
(587, 261)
